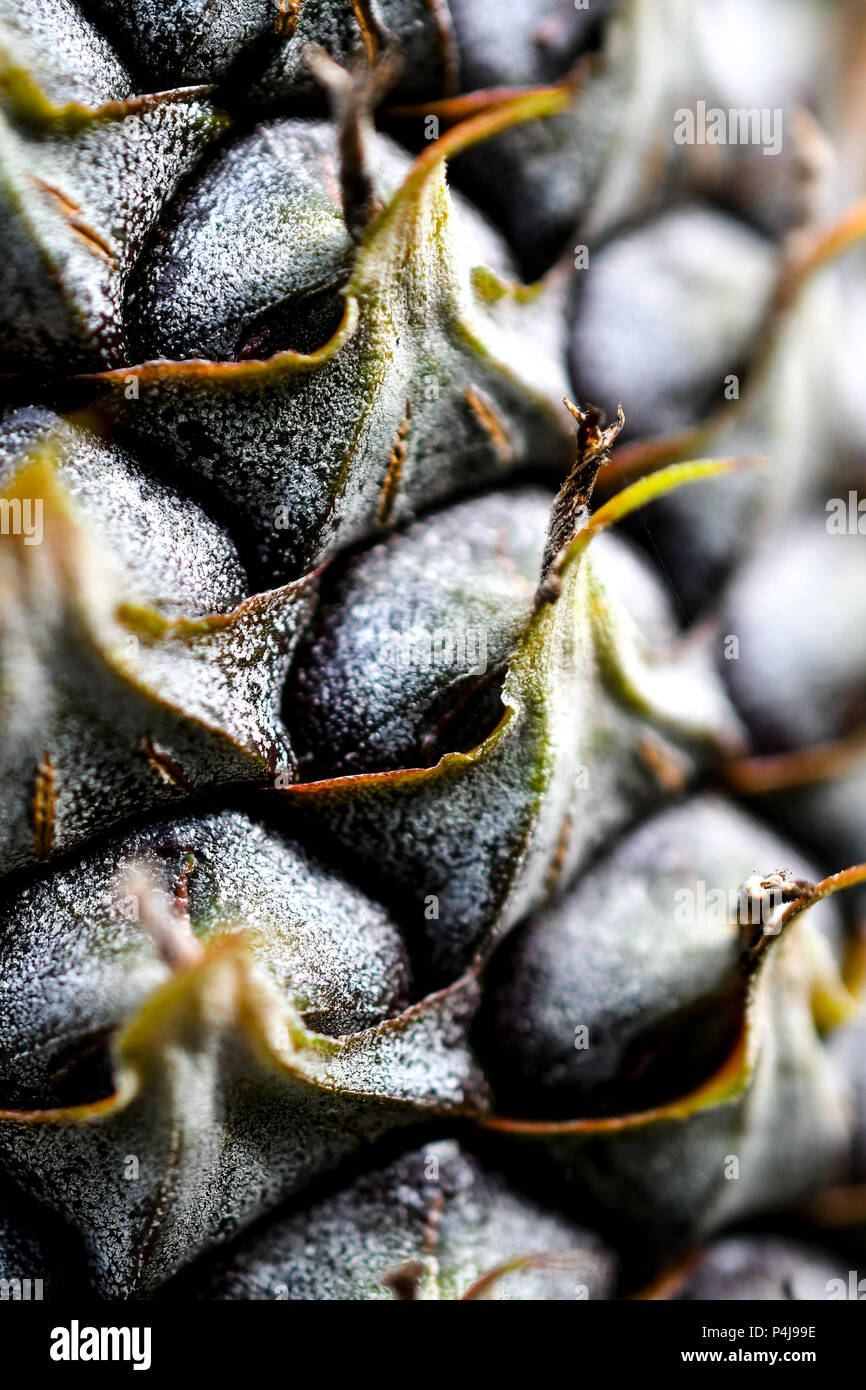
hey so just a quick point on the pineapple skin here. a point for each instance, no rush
(378, 877)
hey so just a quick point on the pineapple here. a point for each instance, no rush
(421, 791)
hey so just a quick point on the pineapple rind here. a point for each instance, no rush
(634, 946)
(434, 381)
(227, 1104)
(436, 1216)
(332, 952)
(587, 691)
(114, 703)
(85, 173)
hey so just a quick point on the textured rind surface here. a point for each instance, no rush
(799, 677)
(434, 1207)
(183, 41)
(64, 54)
(415, 624)
(114, 702)
(440, 377)
(225, 1105)
(138, 674)
(85, 173)
(643, 957)
(420, 30)
(602, 709)
(76, 962)
(589, 166)
(762, 1269)
(410, 628)
(778, 1107)
(173, 556)
(675, 334)
(263, 230)
(39, 1257)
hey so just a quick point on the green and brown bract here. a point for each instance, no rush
(439, 375)
(704, 1049)
(87, 167)
(237, 1020)
(367, 793)
(605, 712)
(135, 669)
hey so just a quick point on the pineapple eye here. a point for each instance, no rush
(151, 903)
(398, 692)
(302, 325)
(76, 1073)
(630, 989)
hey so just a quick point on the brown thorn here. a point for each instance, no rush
(565, 1262)
(93, 240)
(554, 872)
(167, 770)
(757, 929)
(181, 890)
(44, 807)
(286, 19)
(568, 514)
(838, 1206)
(405, 1281)
(798, 896)
(68, 205)
(367, 25)
(658, 757)
(781, 771)
(432, 1230)
(668, 1281)
(354, 94)
(491, 422)
(170, 930)
(392, 478)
